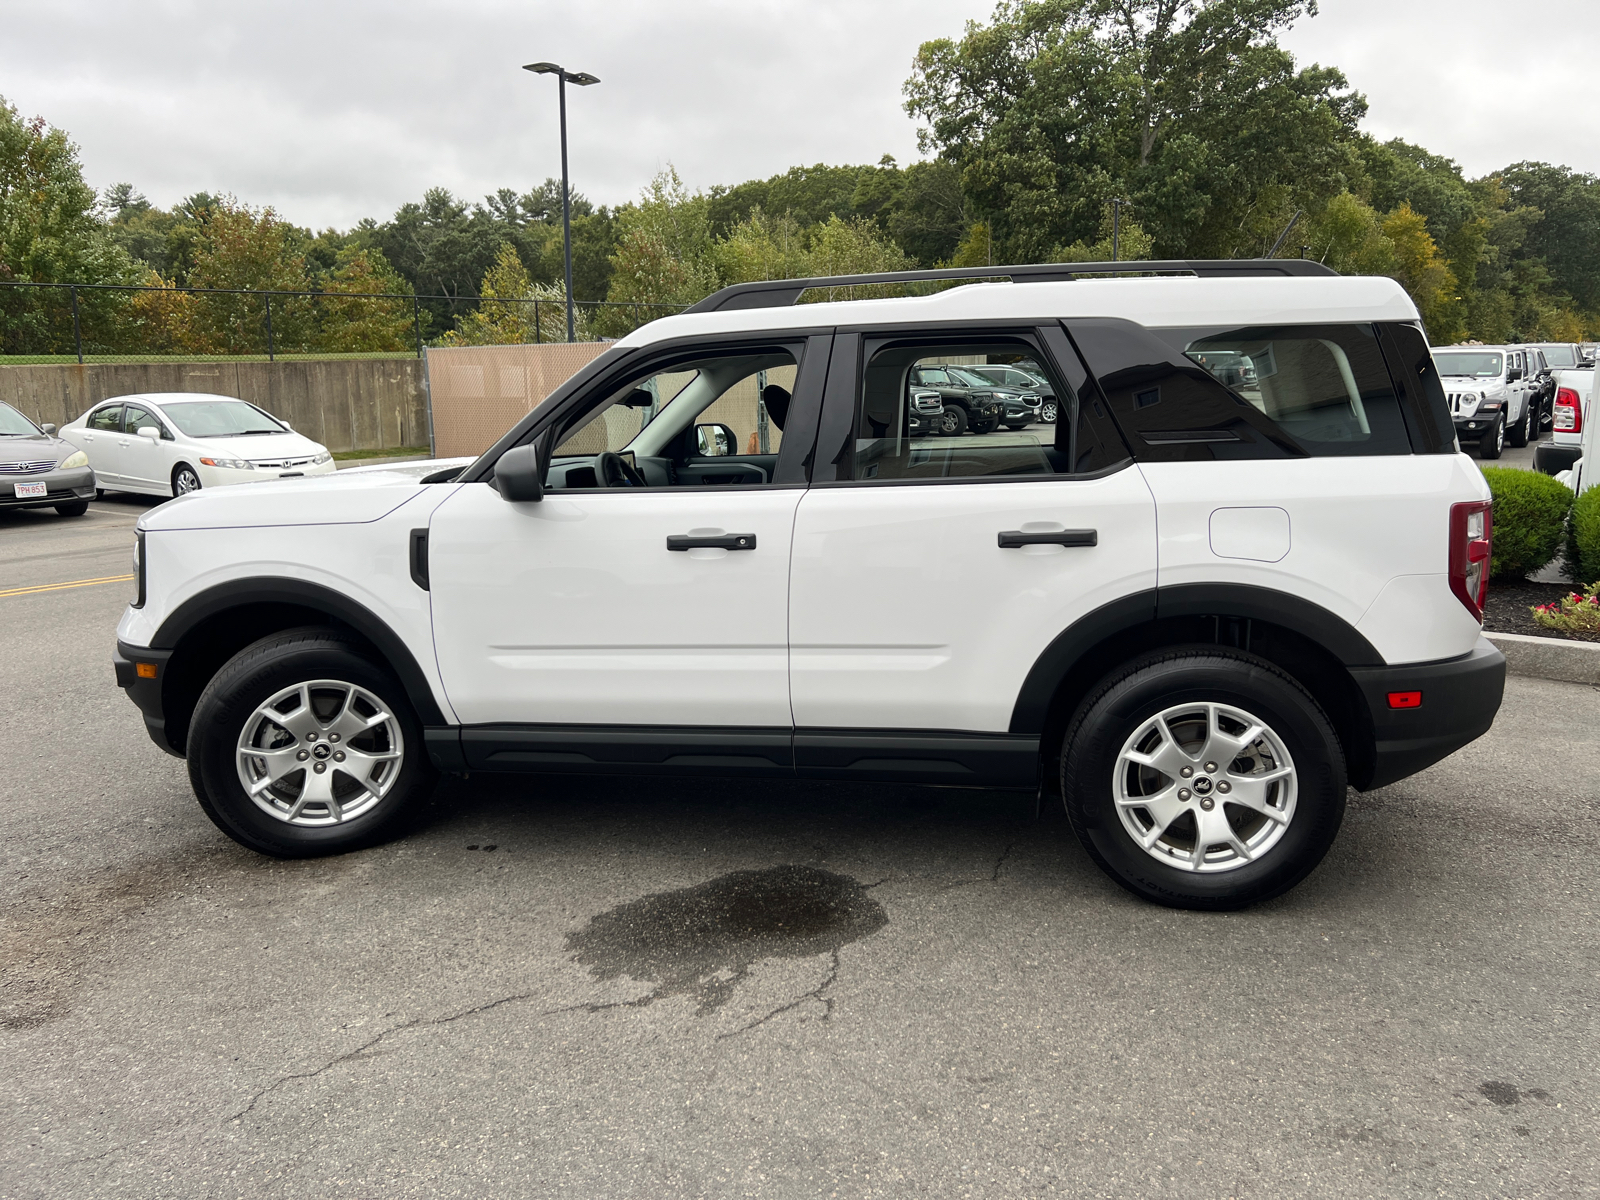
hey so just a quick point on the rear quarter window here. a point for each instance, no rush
(1266, 391)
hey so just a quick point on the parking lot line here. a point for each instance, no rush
(56, 587)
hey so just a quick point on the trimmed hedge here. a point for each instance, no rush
(1530, 520)
(1583, 537)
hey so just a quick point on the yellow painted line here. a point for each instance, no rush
(56, 587)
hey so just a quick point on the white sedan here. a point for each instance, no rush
(169, 443)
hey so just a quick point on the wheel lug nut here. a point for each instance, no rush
(1208, 803)
(1183, 793)
(333, 737)
(1224, 786)
(1186, 772)
(311, 737)
(302, 755)
(338, 756)
(320, 767)
(1210, 767)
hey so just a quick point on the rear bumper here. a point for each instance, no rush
(1460, 697)
(1553, 458)
(145, 692)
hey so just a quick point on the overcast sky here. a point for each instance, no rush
(339, 109)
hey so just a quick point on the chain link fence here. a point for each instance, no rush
(44, 323)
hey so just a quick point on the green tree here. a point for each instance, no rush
(505, 318)
(664, 246)
(1186, 108)
(350, 319)
(50, 232)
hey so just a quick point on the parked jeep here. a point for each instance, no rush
(1491, 401)
(1208, 607)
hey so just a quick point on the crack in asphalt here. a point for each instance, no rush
(814, 994)
(1001, 861)
(418, 1023)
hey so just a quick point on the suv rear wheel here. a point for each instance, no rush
(1203, 778)
(301, 746)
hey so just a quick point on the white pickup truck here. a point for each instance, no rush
(1572, 431)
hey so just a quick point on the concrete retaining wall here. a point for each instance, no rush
(346, 404)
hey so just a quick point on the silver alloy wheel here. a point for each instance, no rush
(1500, 435)
(1047, 411)
(949, 422)
(320, 753)
(184, 481)
(1205, 787)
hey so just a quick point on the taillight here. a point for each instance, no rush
(1568, 411)
(1471, 543)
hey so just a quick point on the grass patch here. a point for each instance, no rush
(390, 452)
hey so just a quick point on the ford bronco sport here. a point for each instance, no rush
(1211, 605)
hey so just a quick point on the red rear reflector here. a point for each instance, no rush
(145, 670)
(1405, 699)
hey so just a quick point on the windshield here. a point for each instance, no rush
(1481, 366)
(1559, 356)
(14, 424)
(970, 378)
(221, 418)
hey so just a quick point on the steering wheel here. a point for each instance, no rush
(612, 470)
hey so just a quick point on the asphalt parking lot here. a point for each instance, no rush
(536, 994)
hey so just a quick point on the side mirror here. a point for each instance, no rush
(715, 441)
(150, 431)
(49, 429)
(1513, 375)
(517, 475)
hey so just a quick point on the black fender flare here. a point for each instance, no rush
(1333, 633)
(236, 593)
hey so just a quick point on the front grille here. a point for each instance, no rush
(284, 462)
(27, 468)
(1462, 404)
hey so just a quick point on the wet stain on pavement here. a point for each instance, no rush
(701, 941)
(1505, 1094)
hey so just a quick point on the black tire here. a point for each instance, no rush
(952, 422)
(988, 425)
(231, 699)
(73, 508)
(99, 493)
(1518, 434)
(185, 479)
(1493, 442)
(1127, 699)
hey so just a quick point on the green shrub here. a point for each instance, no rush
(1577, 613)
(1530, 520)
(1583, 537)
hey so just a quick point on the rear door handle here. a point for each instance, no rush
(1060, 537)
(726, 541)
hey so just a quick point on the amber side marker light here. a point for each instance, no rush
(148, 671)
(1396, 699)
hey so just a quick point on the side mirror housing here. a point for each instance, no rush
(1513, 375)
(517, 475)
(715, 441)
(49, 429)
(150, 431)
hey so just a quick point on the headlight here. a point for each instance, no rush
(322, 458)
(76, 459)
(232, 464)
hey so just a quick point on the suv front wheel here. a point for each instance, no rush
(1494, 441)
(1203, 778)
(301, 746)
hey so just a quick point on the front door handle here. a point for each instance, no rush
(1060, 537)
(725, 541)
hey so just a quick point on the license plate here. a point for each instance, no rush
(31, 489)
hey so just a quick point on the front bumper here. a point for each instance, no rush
(1460, 697)
(1475, 426)
(211, 477)
(62, 487)
(145, 690)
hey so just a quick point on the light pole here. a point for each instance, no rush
(582, 79)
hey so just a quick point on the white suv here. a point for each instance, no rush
(1491, 397)
(1198, 610)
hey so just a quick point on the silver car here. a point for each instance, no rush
(40, 470)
